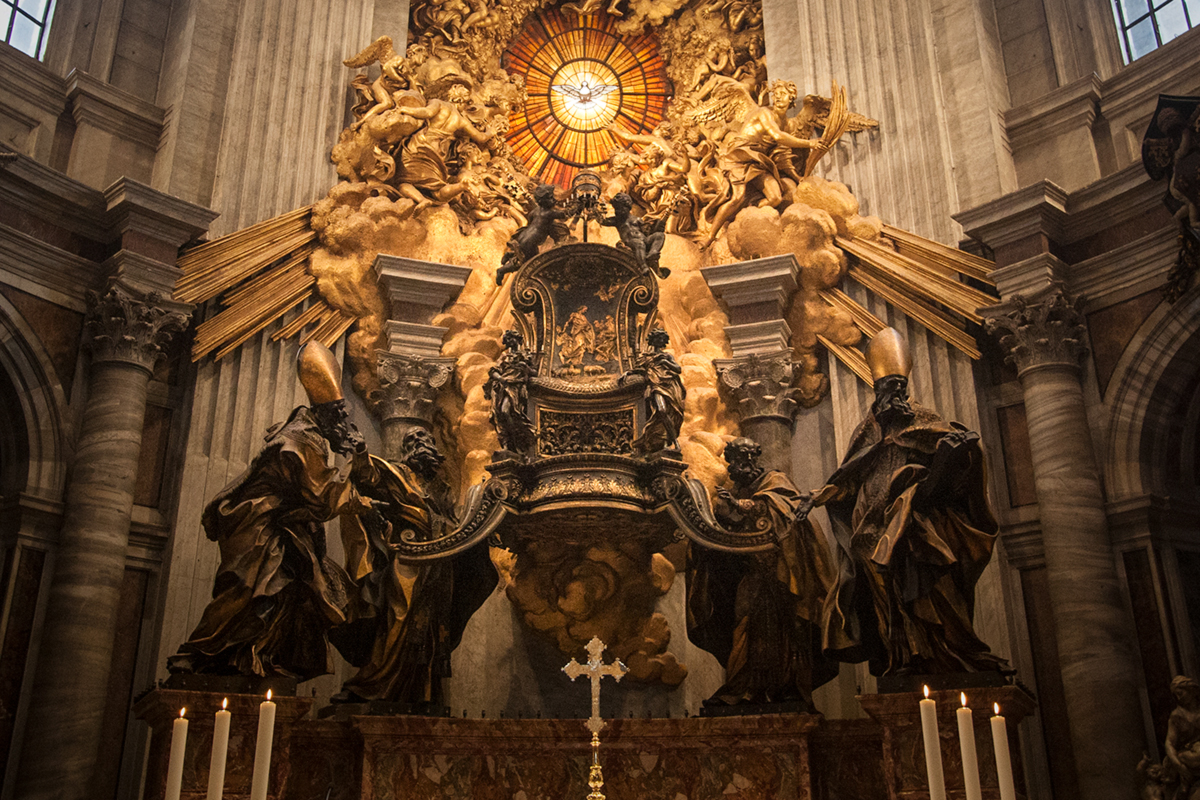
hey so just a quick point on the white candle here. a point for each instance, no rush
(220, 751)
(970, 762)
(175, 765)
(933, 749)
(262, 751)
(1008, 790)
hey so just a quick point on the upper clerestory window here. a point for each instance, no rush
(26, 23)
(1147, 24)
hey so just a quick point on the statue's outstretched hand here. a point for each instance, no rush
(806, 506)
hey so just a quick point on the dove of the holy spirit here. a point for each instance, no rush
(584, 94)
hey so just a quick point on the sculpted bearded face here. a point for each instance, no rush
(742, 455)
(891, 399)
(335, 425)
(420, 453)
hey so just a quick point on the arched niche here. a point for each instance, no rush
(1152, 409)
(32, 446)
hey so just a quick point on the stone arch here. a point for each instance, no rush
(1152, 382)
(33, 398)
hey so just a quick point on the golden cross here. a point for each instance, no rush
(595, 669)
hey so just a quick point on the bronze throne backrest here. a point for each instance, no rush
(585, 311)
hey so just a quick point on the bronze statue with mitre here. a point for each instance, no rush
(914, 531)
(277, 593)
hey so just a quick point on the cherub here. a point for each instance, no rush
(545, 222)
(622, 172)
(718, 60)
(645, 242)
(397, 73)
(662, 185)
(586, 8)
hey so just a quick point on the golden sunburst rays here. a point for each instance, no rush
(582, 77)
(260, 273)
(918, 276)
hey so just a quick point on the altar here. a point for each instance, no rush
(776, 757)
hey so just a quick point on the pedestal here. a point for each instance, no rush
(159, 709)
(904, 751)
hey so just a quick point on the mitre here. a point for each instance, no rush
(888, 355)
(319, 373)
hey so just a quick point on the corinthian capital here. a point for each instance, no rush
(135, 329)
(410, 386)
(1047, 332)
(759, 385)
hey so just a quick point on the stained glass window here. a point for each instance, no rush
(582, 77)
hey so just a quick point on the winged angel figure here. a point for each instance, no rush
(396, 73)
(758, 144)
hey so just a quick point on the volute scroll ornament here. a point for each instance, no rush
(484, 510)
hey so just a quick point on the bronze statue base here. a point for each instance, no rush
(958, 681)
(279, 686)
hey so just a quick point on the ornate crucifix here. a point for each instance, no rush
(595, 669)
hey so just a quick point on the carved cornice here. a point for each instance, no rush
(417, 291)
(1046, 333)
(759, 385)
(94, 102)
(755, 290)
(410, 386)
(132, 329)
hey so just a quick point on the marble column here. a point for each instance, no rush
(125, 333)
(1045, 341)
(759, 387)
(411, 369)
(410, 388)
(757, 381)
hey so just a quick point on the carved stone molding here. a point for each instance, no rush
(121, 326)
(760, 385)
(1044, 333)
(410, 386)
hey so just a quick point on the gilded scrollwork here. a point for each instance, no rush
(484, 511)
(564, 432)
